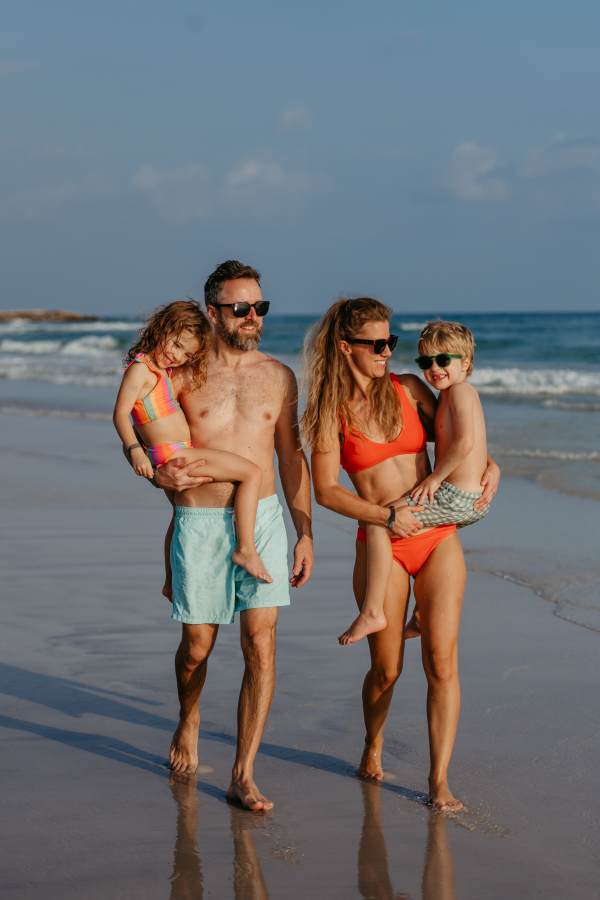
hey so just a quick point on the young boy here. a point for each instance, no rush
(450, 492)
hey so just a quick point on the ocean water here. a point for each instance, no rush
(538, 375)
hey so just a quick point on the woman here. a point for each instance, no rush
(376, 426)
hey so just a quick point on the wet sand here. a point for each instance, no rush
(88, 706)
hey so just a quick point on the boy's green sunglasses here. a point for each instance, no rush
(442, 359)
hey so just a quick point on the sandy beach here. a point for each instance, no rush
(88, 705)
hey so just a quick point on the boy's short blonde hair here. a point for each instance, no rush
(447, 337)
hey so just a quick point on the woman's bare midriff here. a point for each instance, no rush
(391, 479)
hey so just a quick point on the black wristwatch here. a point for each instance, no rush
(392, 517)
(153, 479)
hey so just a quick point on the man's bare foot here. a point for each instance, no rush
(362, 626)
(441, 799)
(252, 563)
(370, 763)
(184, 747)
(413, 626)
(167, 592)
(246, 793)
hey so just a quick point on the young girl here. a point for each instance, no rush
(177, 335)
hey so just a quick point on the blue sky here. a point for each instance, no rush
(442, 157)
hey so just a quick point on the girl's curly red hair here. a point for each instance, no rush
(168, 322)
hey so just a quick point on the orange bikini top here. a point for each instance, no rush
(359, 453)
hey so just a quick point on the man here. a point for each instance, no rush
(248, 405)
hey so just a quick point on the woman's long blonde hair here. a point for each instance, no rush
(327, 381)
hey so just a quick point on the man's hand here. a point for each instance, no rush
(489, 483)
(303, 562)
(426, 489)
(405, 523)
(178, 475)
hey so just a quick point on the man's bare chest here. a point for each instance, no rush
(229, 406)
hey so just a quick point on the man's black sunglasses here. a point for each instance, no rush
(240, 310)
(379, 344)
(442, 359)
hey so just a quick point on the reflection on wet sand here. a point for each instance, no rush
(373, 873)
(186, 880)
(438, 871)
(248, 883)
(374, 881)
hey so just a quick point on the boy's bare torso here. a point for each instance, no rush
(236, 409)
(459, 402)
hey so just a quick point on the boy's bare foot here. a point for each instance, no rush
(362, 626)
(246, 793)
(413, 626)
(441, 799)
(251, 562)
(370, 763)
(184, 747)
(167, 592)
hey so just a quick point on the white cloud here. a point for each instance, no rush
(469, 174)
(562, 153)
(266, 186)
(39, 204)
(296, 118)
(180, 195)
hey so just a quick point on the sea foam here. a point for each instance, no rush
(535, 382)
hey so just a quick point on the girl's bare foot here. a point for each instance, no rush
(370, 763)
(246, 792)
(252, 563)
(441, 799)
(184, 746)
(413, 626)
(167, 592)
(363, 625)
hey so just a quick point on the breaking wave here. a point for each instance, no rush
(535, 382)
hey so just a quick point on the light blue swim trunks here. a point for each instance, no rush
(207, 586)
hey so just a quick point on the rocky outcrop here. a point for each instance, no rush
(45, 315)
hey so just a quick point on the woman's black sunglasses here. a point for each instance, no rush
(241, 310)
(442, 359)
(379, 344)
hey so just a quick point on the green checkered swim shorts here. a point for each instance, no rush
(450, 506)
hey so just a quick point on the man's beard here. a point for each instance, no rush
(236, 339)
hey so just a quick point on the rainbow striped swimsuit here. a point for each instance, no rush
(160, 403)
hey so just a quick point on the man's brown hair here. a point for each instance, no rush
(447, 337)
(230, 270)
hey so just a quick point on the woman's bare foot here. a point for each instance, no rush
(184, 747)
(441, 799)
(370, 763)
(363, 625)
(252, 563)
(413, 626)
(167, 592)
(246, 793)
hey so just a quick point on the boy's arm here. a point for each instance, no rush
(489, 483)
(461, 407)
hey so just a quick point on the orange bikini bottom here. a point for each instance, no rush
(412, 552)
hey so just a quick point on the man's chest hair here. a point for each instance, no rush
(241, 394)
